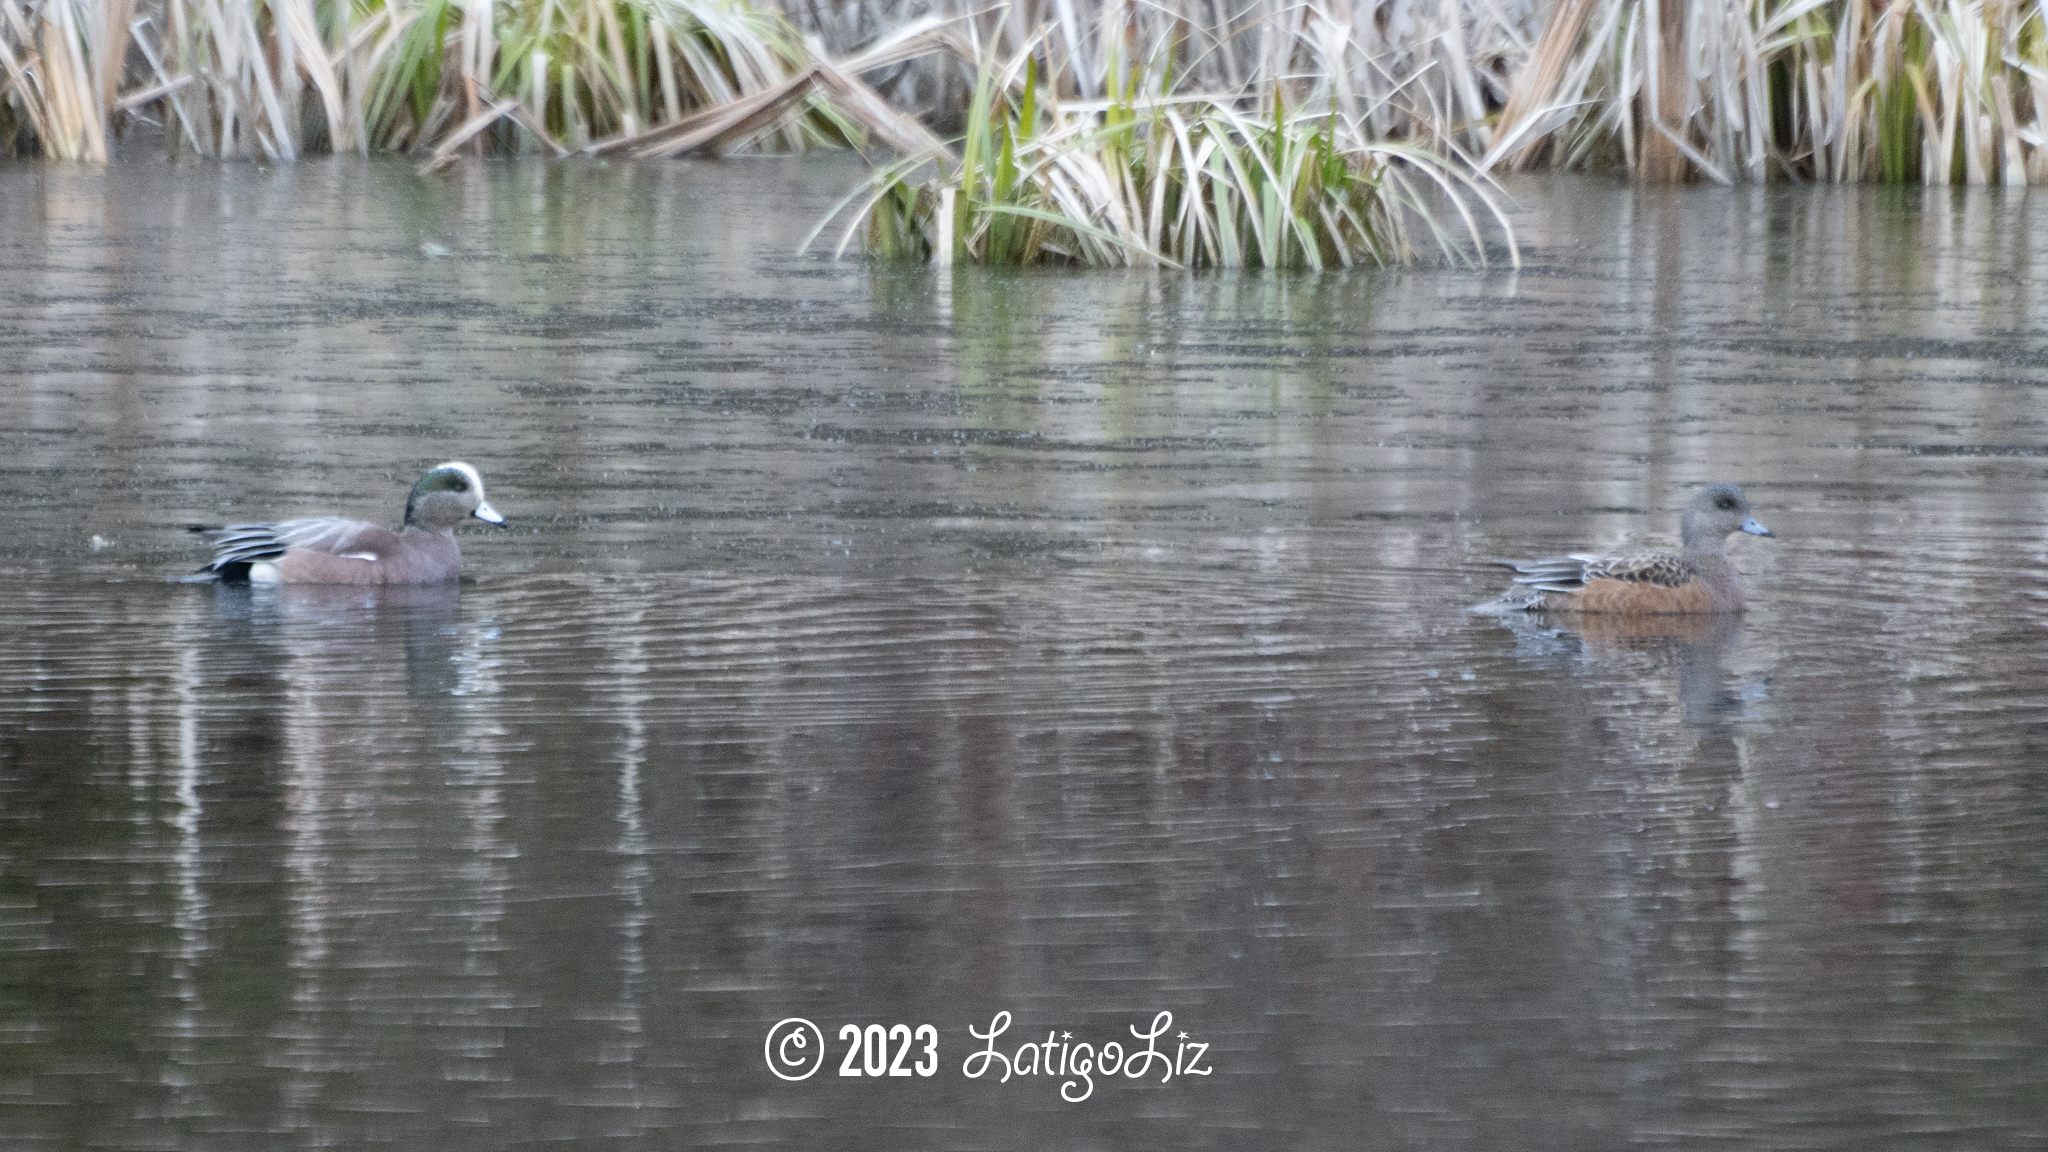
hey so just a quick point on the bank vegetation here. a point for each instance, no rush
(1191, 132)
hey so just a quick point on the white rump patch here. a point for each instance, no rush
(264, 572)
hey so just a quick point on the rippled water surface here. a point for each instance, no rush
(872, 647)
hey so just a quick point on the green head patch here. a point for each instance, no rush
(454, 489)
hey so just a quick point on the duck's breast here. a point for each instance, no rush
(425, 557)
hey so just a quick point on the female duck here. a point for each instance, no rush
(331, 550)
(1698, 578)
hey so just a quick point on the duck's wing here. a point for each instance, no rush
(1663, 569)
(1571, 573)
(1549, 574)
(245, 544)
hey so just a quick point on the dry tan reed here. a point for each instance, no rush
(1406, 69)
(275, 78)
(1933, 91)
(1156, 176)
(1827, 90)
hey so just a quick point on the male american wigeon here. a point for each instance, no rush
(1698, 578)
(331, 550)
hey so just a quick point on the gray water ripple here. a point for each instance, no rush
(877, 646)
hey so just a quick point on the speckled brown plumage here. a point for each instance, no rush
(1699, 578)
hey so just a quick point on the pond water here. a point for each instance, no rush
(879, 646)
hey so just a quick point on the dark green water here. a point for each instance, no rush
(875, 648)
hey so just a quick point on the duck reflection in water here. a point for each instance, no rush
(1696, 645)
(337, 632)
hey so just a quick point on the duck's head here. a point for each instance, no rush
(1716, 511)
(446, 495)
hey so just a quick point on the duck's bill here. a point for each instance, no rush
(489, 515)
(1750, 526)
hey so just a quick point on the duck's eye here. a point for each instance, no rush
(1724, 503)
